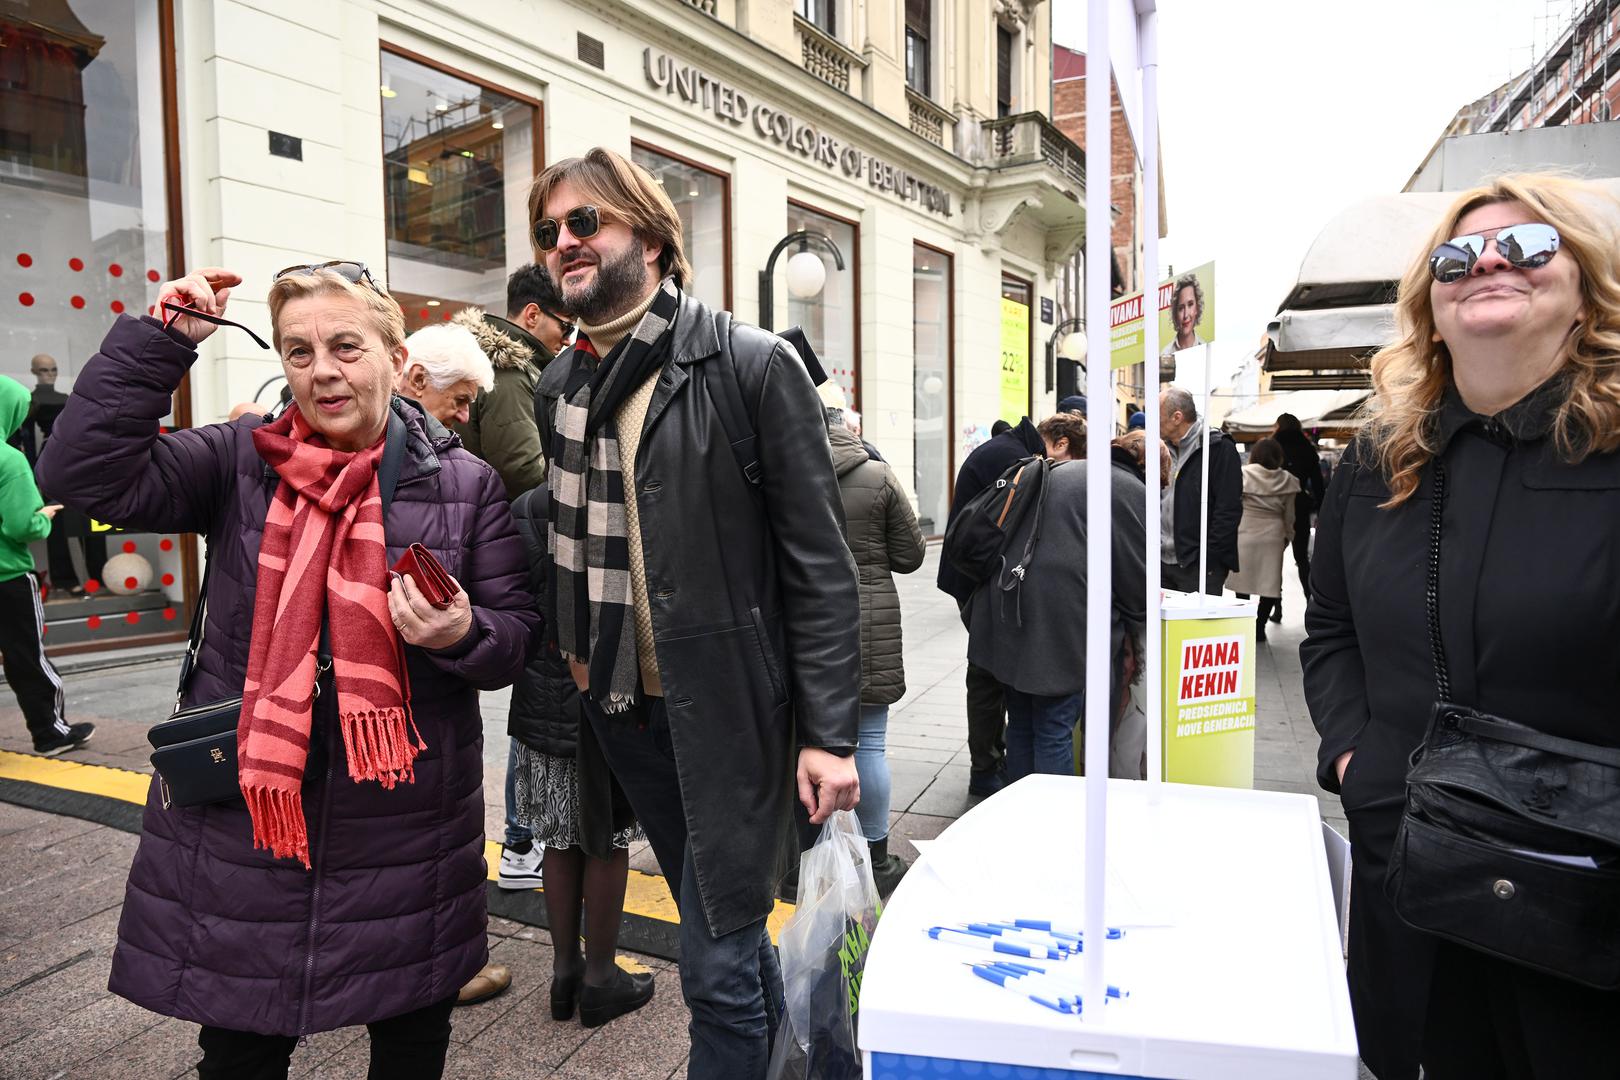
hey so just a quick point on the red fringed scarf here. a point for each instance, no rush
(322, 551)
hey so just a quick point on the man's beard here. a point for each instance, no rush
(620, 283)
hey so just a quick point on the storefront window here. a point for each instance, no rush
(84, 222)
(829, 318)
(931, 284)
(458, 160)
(702, 198)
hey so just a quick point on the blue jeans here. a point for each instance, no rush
(515, 833)
(732, 983)
(1040, 732)
(872, 766)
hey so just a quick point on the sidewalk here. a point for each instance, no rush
(63, 889)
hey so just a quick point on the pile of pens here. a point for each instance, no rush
(1054, 987)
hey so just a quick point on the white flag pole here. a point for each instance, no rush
(1203, 503)
(1153, 635)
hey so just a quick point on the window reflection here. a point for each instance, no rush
(931, 274)
(701, 200)
(828, 318)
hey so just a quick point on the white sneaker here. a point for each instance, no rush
(520, 870)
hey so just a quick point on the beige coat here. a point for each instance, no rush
(1266, 530)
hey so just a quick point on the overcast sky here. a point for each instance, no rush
(1277, 114)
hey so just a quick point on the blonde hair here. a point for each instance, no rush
(386, 317)
(1410, 377)
(621, 191)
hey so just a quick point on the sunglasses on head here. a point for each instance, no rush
(582, 221)
(355, 273)
(1527, 247)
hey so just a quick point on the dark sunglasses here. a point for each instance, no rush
(567, 327)
(172, 311)
(355, 273)
(1527, 247)
(582, 221)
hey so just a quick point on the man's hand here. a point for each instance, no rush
(827, 783)
(205, 290)
(420, 623)
(1341, 763)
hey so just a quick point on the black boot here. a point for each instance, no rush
(625, 994)
(887, 869)
(1260, 629)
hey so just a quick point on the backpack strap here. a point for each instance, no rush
(726, 393)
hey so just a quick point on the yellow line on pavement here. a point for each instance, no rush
(646, 895)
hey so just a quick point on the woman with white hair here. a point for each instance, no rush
(444, 370)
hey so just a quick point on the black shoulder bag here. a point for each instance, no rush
(1510, 839)
(194, 750)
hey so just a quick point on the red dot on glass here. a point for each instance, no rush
(92, 586)
(132, 618)
(24, 259)
(25, 299)
(166, 545)
(153, 275)
(168, 579)
(130, 583)
(75, 264)
(77, 301)
(422, 314)
(93, 622)
(151, 309)
(447, 316)
(115, 270)
(168, 614)
(129, 547)
(117, 307)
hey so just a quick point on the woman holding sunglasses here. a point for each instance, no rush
(1469, 553)
(346, 886)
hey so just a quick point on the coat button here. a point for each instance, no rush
(1503, 889)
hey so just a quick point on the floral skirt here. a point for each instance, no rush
(546, 790)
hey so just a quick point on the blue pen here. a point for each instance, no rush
(992, 944)
(1027, 937)
(1055, 980)
(1070, 1006)
(1114, 932)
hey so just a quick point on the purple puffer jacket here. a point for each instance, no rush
(391, 918)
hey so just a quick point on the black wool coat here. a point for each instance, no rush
(1530, 616)
(1225, 503)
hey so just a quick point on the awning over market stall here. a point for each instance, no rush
(1330, 409)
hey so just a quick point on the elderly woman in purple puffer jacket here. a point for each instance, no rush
(348, 887)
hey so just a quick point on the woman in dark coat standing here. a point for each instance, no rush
(1509, 376)
(352, 891)
(1301, 459)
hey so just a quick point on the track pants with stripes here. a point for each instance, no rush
(22, 649)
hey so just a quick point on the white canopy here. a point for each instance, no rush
(1313, 407)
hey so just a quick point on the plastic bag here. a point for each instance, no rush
(823, 949)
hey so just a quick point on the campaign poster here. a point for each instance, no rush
(1209, 711)
(1014, 360)
(1186, 317)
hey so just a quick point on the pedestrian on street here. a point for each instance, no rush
(24, 518)
(1184, 500)
(1499, 402)
(1033, 640)
(1269, 506)
(885, 540)
(1301, 459)
(445, 371)
(568, 802)
(703, 595)
(986, 711)
(348, 888)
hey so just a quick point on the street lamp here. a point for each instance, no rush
(806, 273)
(1071, 348)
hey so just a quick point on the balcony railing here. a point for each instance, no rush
(825, 57)
(705, 6)
(1028, 138)
(927, 119)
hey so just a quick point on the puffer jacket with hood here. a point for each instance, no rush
(1266, 530)
(21, 523)
(884, 539)
(500, 427)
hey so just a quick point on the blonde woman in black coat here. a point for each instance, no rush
(1507, 374)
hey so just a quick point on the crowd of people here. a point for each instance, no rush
(701, 627)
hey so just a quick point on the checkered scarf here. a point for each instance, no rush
(586, 532)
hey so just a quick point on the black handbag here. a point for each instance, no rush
(194, 750)
(1509, 843)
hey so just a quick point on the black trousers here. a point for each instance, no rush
(1302, 551)
(411, 1046)
(60, 557)
(1185, 578)
(987, 720)
(22, 649)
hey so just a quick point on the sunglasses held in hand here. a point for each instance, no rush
(1527, 247)
(350, 270)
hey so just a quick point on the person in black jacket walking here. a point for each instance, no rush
(1506, 373)
(1301, 459)
(1182, 502)
(986, 709)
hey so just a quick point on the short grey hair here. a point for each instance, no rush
(449, 354)
(1177, 400)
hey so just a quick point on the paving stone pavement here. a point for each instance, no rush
(62, 890)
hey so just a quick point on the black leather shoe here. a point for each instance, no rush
(625, 994)
(983, 782)
(564, 996)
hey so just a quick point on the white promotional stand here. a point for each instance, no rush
(1230, 955)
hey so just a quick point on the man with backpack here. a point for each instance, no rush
(702, 593)
(987, 715)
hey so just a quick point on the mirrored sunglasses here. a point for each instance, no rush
(582, 221)
(1526, 246)
(355, 273)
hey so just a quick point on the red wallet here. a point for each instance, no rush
(429, 577)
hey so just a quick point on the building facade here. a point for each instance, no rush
(147, 136)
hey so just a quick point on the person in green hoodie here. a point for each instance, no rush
(23, 519)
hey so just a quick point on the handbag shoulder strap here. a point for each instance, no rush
(728, 401)
(1431, 592)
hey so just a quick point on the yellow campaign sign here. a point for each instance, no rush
(1186, 312)
(1014, 360)
(1209, 710)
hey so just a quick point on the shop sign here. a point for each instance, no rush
(732, 106)
(1014, 360)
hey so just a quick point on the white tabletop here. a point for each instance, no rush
(1231, 954)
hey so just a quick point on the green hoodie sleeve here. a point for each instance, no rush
(20, 519)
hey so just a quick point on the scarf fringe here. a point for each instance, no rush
(382, 745)
(278, 822)
(617, 703)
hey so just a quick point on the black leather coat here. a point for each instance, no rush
(752, 592)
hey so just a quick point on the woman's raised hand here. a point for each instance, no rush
(206, 290)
